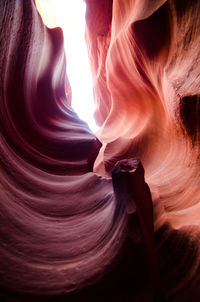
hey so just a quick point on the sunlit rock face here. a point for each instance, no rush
(145, 63)
(145, 60)
(65, 228)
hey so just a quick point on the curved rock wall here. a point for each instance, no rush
(146, 59)
(63, 228)
(57, 217)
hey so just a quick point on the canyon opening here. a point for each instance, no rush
(70, 16)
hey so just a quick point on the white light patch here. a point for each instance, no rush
(70, 16)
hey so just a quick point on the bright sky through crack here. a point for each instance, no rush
(70, 16)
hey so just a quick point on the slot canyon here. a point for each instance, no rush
(112, 216)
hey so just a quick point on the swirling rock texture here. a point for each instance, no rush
(69, 231)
